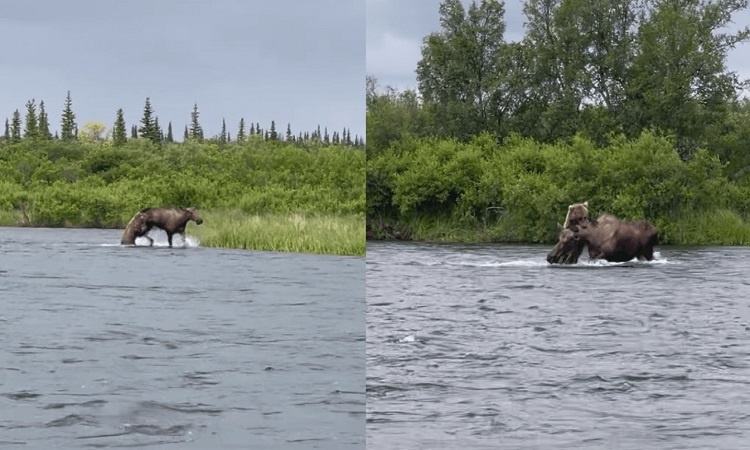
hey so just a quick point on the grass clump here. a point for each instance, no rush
(720, 227)
(334, 234)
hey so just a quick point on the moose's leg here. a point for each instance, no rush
(169, 238)
(145, 234)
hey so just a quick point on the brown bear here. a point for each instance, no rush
(577, 213)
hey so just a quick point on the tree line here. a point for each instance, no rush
(599, 68)
(36, 126)
(82, 182)
(499, 135)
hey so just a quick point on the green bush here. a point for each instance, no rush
(519, 190)
(96, 184)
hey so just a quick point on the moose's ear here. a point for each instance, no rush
(586, 203)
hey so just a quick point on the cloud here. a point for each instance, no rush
(283, 60)
(392, 55)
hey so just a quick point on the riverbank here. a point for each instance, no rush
(716, 227)
(331, 234)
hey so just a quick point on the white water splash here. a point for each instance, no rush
(540, 262)
(407, 339)
(160, 240)
(516, 263)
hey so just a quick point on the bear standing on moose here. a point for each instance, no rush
(606, 237)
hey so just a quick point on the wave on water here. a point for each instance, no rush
(584, 262)
(177, 242)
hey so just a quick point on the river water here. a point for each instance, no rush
(106, 346)
(485, 347)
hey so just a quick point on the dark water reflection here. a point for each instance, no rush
(489, 347)
(106, 346)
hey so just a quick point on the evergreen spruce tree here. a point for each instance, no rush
(273, 134)
(223, 135)
(289, 135)
(134, 132)
(252, 128)
(31, 128)
(257, 128)
(119, 136)
(6, 135)
(241, 131)
(158, 131)
(57, 136)
(326, 138)
(68, 128)
(15, 127)
(196, 132)
(170, 136)
(348, 137)
(148, 128)
(186, 136)
(265, 136)
(44, 132)
(43, 123)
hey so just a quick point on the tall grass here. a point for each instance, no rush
(719, 227)
(9, 218)
(301, 233)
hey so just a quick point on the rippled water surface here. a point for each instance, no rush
(490, 347)
(106, 346)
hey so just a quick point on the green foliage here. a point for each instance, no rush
(390, 116)
(628, 105)
(597, 68)
(31, 127)
(196, 131)
(520, 190)
(15, 127)
(149, 128)
(119, 132)
(68, 125)
(241, 131)
(43, 127)
(88, 183)
(462, 67)
(292, 232)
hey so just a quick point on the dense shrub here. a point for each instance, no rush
(96, 184)
(520, 190)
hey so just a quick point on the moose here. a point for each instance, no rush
(171, 220)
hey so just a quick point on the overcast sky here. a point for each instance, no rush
(396, 28)
(291, 61)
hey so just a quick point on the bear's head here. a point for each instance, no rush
(577, 213)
